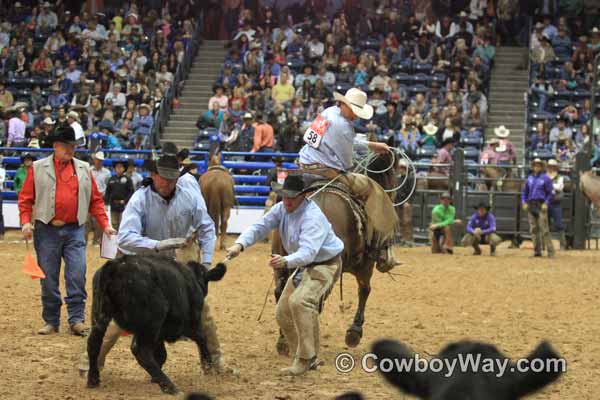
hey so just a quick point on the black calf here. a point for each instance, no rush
(156, 299)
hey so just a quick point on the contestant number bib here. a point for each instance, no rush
(315, 132)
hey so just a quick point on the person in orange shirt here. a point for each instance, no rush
(264, 136)
(58, 194)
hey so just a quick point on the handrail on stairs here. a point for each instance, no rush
(526, 122)
(174, 91)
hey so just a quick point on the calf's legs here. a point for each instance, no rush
(144, 350)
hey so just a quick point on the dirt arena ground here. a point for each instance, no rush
(511, 300)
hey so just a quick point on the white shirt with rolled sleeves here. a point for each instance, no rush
(306, 234)
(337, 143)
(148, 219)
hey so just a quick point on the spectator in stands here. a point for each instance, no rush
(142, 126)
(561, 129)
(27, 160)
(444, 156)
(290, 140)
(306, 75)
(424, 50)
(243, 138)
(16, 130)
(46, 19)
(505, 152)
(542, 90)
(539, 140)
(220, 98)
(549, 30)
(380, 81)
(283, 91)
(116, 97)
(391, 121)
(101, 176)
(565, 149)
(474, 121)
(326, 76)
(263, 135)
(449, 131)
(211, 118)
(6, 97)
(481, 229)
(562, 44)
(136, 177)
(489, 155)
(535, 199)
(119, 188)
(73, 121)
(316, 49)
(429, 139)
(555, 207)
(406, 180)
(408, 137)
(443, 216)
(56, 99)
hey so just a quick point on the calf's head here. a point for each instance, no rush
(470, 384)
(205, 275)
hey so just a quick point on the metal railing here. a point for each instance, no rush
(526, 122)
(174, 91)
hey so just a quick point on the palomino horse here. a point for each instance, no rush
(357, 259)
(502, 179)
(217, 187)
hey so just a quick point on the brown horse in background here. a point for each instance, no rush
(217, 187)
(357, 257)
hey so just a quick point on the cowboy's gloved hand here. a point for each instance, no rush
(525, 207)
(234, 250)
(544, 206)
(170, 244)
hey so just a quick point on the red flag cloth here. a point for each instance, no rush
(31, 267)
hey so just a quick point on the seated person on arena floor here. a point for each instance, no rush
(481, 229)
(442, 219)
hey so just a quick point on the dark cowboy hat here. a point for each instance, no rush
(183, 154)
(64, 134)
(482, 204)
(277, 159)
(123, 161)
(169, 148)
(167, 167)
(27, 156)
(293, 186)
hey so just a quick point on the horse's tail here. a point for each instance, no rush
(214, 210)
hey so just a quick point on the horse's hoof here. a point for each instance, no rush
(282, 347)
(353, 336)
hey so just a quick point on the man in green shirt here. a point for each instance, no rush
(442, 219)
(26, 163)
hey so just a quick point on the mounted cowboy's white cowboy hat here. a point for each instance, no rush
(356, 99)
(430, 129)
(501, 131)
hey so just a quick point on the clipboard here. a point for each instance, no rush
(108, 246)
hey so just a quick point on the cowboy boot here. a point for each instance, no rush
(386, 261)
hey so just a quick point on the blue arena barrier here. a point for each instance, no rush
(252, 189)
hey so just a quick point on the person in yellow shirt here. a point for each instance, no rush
(283, 91)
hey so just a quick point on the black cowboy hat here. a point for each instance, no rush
(167, 167)
(293, 186)
(482, 204)
(169, 148)
(28, 156)
(123, 161)
(183, 154)
(64, 134)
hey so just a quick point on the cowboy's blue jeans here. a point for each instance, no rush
(51, 245)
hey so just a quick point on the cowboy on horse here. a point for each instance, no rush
(330, 141)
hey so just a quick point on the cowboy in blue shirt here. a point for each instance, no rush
(313, 252)
(535, 199)
(481, 229)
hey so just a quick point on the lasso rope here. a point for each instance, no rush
(363, 163)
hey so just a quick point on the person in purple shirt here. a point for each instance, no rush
(481, 229)
(535, 199)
